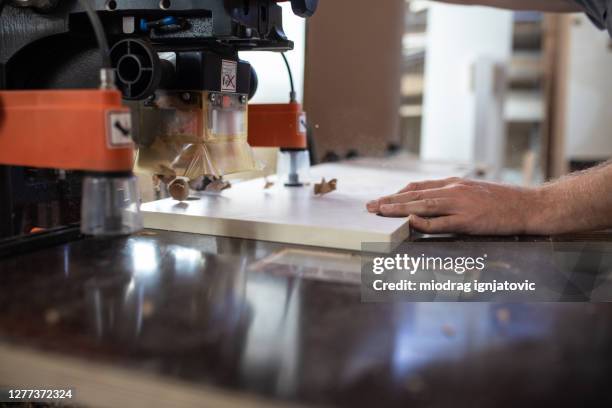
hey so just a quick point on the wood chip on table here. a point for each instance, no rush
(325, 187)
(179, 189)
(268, 184)
(218, 185)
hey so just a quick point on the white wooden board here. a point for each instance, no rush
(293, 215)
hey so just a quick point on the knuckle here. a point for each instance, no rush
(400, 209)
(396, 198)
(389, 209)
(430, 204)
(414, 196)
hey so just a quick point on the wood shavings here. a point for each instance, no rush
(156, 180)
(325, 187)
(218, 185)
(179, 189)
(159, 179)
(269, 184)
(166, 171)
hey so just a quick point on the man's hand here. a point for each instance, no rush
(462, 206)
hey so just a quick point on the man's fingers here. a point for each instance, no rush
(437, 225)
(414, 196)
(415, 192)
(374, 206)
(429, 184)
(409, 196)
(428, 207)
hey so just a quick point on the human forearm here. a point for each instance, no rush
(536, 5)
(579, 202)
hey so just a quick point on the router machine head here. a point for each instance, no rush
(169, 83)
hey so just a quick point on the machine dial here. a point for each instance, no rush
(137, 68)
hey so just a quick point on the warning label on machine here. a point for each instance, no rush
(119, 129)
(228, 75)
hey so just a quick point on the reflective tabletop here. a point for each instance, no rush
(287, 322)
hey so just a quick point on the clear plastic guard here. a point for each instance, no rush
(110, 205)
(206, 136)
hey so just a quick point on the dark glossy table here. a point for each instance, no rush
(287, 323)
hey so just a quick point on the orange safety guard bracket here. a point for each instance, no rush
(277, 125)
(65, 129)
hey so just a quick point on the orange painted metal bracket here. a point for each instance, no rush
(277, 125)
(66, 129)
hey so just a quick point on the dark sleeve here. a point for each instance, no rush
(598, 12)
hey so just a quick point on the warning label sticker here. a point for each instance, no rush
(228, 75)
(119, 129)
(302, 123)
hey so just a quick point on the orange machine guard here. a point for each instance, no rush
(277, 125)
(65, 129)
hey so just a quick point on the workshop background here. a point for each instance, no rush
(165, 318)
(521, 95)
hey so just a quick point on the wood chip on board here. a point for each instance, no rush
(218, 185)
(325, 187)
(269, 184)
(179, 189)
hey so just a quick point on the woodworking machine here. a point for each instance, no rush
(160, 78)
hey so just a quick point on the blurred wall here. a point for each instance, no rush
(352, 78)
(588, 102)
(457, 37)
